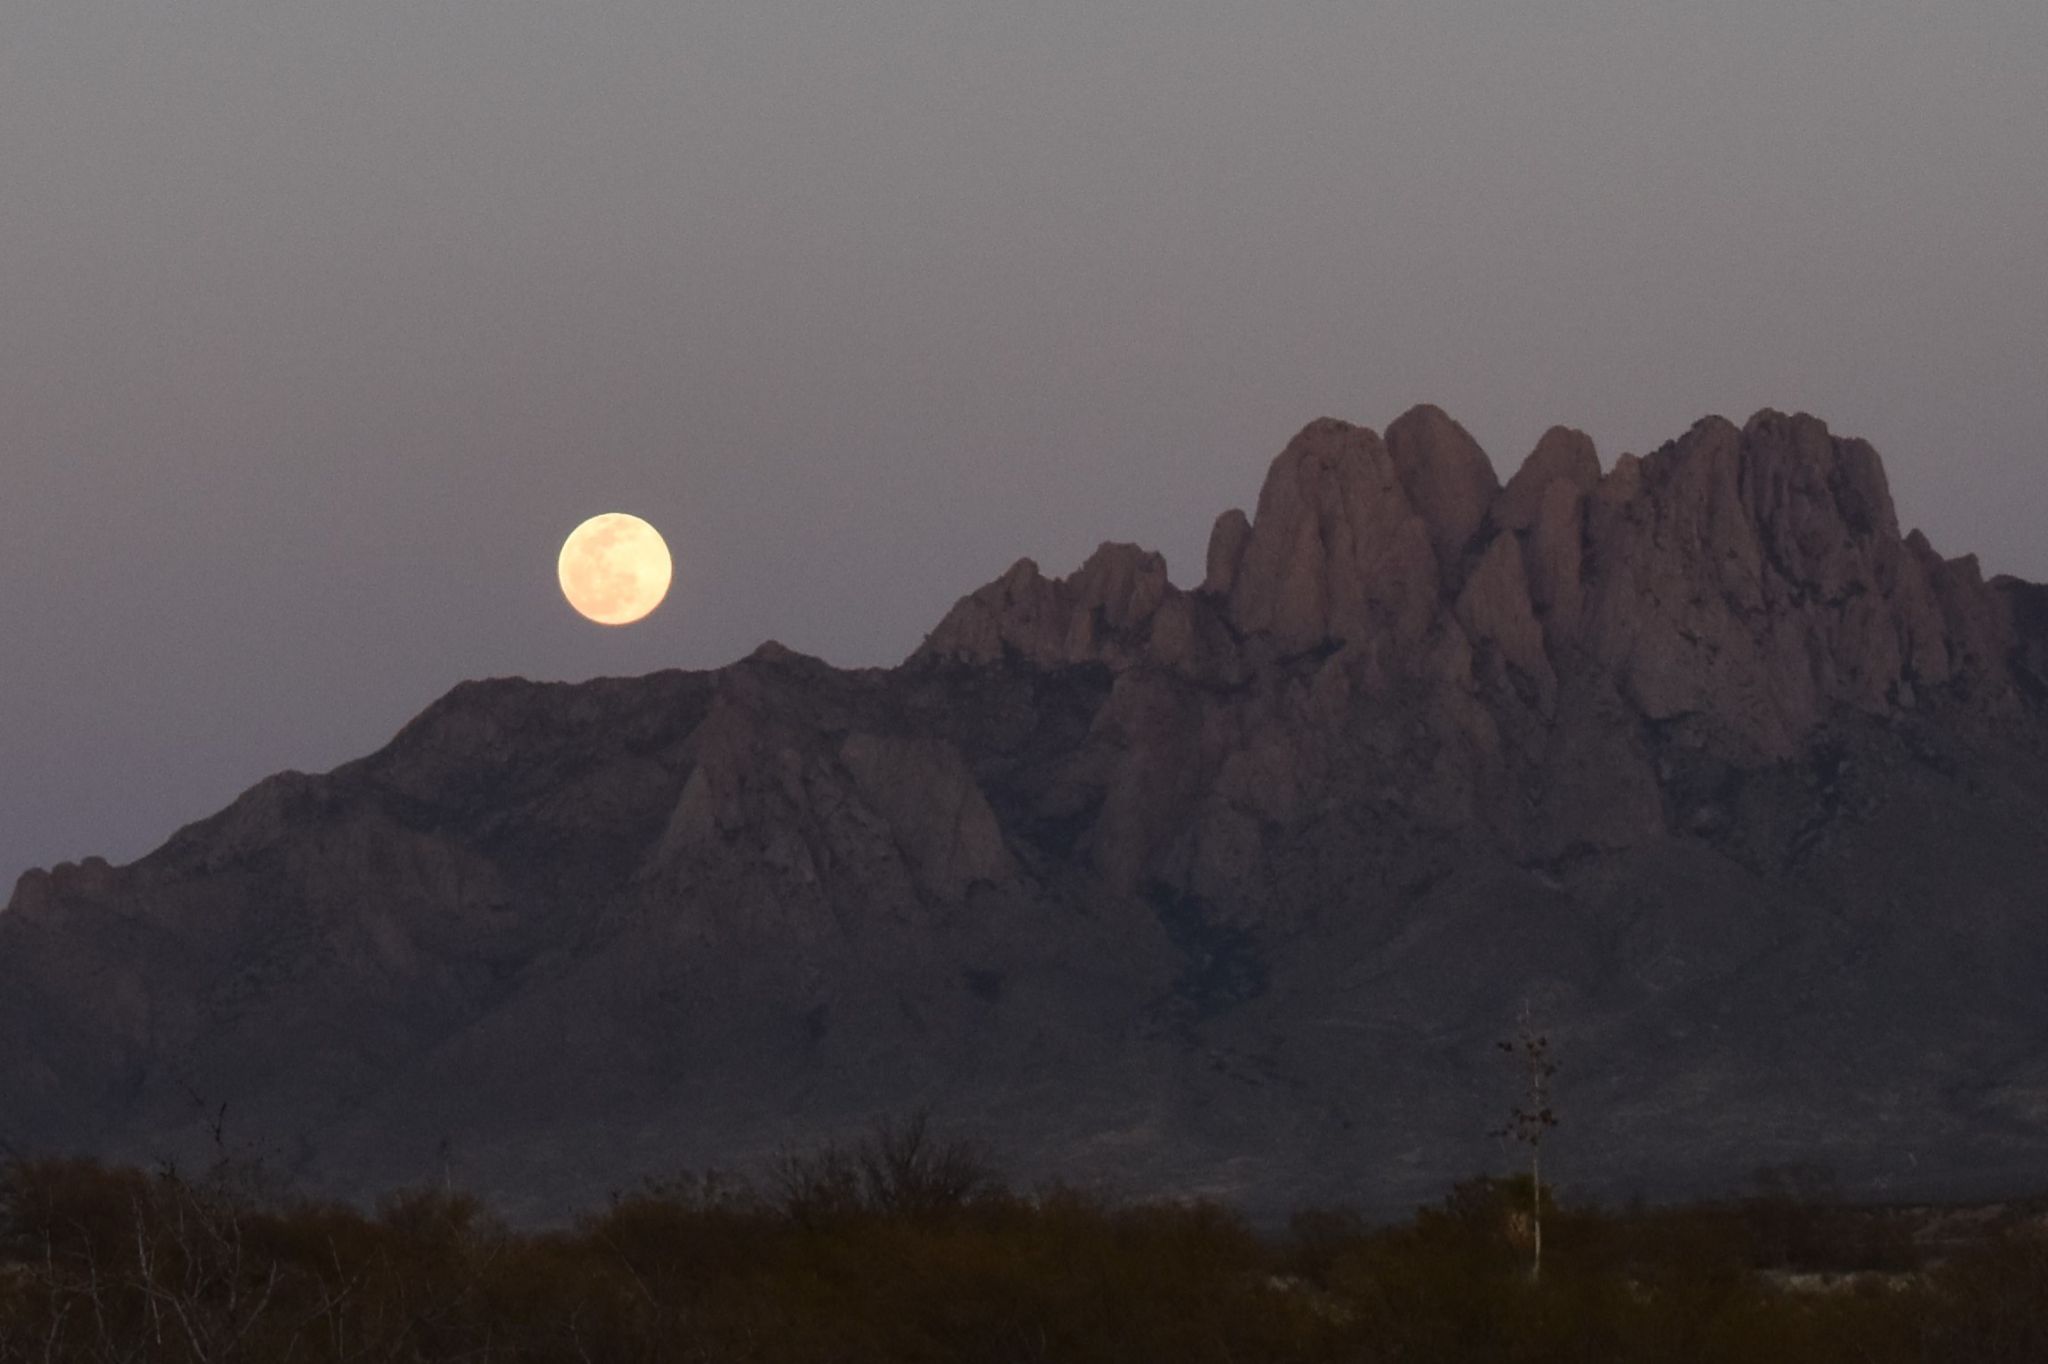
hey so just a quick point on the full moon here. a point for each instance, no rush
(614, 568)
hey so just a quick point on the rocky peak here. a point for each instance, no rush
(1101, 614)
(1563, 455)
(37, 892)
(1117, 589)
(1447, 477)
(774, 651)
(1813, 496)
(1019, 610)
(1337, 550)
(1752, 573)
(1756, 575)
(1227, 539)
(1544, 508)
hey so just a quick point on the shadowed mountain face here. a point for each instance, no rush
(1226, 890)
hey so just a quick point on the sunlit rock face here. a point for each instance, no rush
(1213, 889)
(1337, 550)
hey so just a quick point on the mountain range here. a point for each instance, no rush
(1737, 793)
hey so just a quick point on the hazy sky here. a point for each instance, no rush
(322, 323)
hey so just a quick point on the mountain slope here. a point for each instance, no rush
(1225, 890)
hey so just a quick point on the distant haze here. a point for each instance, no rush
(320, 325)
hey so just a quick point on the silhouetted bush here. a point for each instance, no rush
(900, 1169)
(906, 1249)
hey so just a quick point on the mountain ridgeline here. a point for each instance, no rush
(1226, 891)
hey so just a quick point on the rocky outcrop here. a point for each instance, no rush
(1155, 882)
(1499, 616)
(1102, 613)
(1757, 577)
(2022, 619)
(1563, 456)
(1448, 479)
(1743, 584)
(1337, 552)
(1227, 541)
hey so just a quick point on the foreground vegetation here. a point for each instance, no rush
(903, 1249)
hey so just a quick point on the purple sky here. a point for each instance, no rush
(321, 324)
